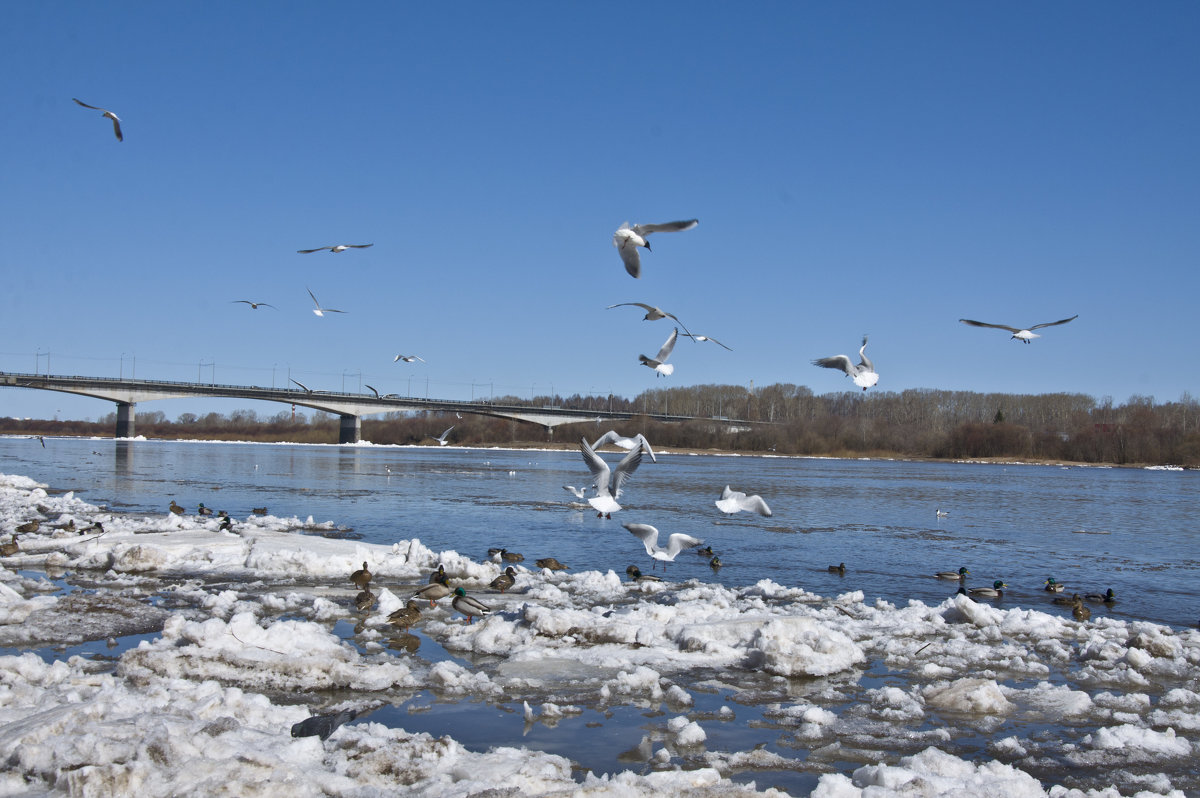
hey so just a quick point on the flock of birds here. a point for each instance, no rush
(1078, 609)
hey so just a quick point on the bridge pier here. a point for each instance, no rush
(125, 419)
(351, 429)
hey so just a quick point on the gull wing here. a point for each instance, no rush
(116, 125)
(756, 504)
(863, 360)
(302, 385)
(373, 391)
(360, 246)
(836, 362)
(595, 464)
(310, 251)
(704, 338)
(642, 305)
(974, 323)
(625, 469)
(646, 447)
(629, 256)
(665, 352)
(1052, 323)
(665, 227)
(678, 541)
(645, 533)
(85, 105)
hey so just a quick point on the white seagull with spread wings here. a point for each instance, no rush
(407, 358)
(1026, 334)
(733, 501)
(628, 444)
(627, 240)
(107, 113)
(608, 482)
(676, 543)
(320, 311)
(863, 374)
(335, 248)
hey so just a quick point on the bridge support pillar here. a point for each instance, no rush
(125, 419)
(351, 429)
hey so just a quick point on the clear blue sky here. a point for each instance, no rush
(882, 168)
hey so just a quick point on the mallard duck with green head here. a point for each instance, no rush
(1107, 597)
(995, 591)
(469, 606)
(433, 591)
(958, 575)
(1054, 587)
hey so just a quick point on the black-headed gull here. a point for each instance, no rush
(579, 493)
(608, 483)
(441, 439)
(253, 305)
(318, 310)
(407, 358)
(335, 248)
(658, 362)
(105, 112)
(1026, 334)
(676, 543)
(628, 444)
(863, 374)
(627, 240)
(733, 501)
(652, 313)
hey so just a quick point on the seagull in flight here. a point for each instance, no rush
(705, 338)
(320, 311)
(608, 482)
(733, 501)
(335, 248)
(105, 112)
(628, 444)
(676, 543)
(441, 439)
(1027, 334)
(658, 362)
(627, 240)
(253, 305)
(652, 313)
(863, 374)
(407, 358)
(302, 385)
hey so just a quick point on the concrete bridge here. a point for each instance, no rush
(350, 407)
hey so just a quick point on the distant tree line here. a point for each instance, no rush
(912, 423)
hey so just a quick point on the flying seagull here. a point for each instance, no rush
(733, 501)
(335, 248)
(105, 112)
(706, 338)
(658, 362)
(253, 305)
(863, 374)
(652, 313)
(1026, 334)
(628, 444)
(627, 240)
(608, 482)
(320, 311)
(441, 439)
(302, 385)
(407, 358)
(676, 543)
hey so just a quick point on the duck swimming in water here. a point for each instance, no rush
(958, 575)
(1054, 587)
(1107, 597)
(994, 591)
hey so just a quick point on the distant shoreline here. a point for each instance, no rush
(664, 450)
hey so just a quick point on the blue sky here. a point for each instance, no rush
(882, 168)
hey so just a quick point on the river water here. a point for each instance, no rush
(1132, 530)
